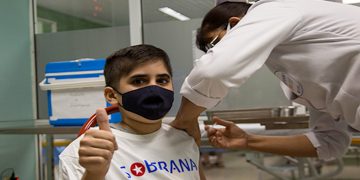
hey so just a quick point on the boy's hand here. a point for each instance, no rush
(97, 147)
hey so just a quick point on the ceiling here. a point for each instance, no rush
(115, 12)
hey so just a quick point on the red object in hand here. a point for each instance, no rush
(91, 122)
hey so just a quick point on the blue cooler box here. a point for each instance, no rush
(75, 91)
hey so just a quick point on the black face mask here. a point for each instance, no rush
(150, 102)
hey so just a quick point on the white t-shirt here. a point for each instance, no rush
(165, 154)
(313, 46)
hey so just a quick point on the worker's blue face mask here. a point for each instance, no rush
(150, 102)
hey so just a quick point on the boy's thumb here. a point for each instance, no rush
(102, 119)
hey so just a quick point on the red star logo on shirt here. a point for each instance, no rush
(137, 169)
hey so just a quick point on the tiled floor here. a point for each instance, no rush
(236, 168)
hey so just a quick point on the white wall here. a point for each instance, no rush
(176, 38)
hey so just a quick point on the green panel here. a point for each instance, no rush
(16, 151)
(15, 69)
(65, 22)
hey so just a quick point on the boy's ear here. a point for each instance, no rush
(110, 96)
(233, 21)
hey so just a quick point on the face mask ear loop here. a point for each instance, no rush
(228, 27)
(118, 93)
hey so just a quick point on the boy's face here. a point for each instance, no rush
(151, 73)
(148, 74)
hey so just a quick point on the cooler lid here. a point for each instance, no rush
(75, 66)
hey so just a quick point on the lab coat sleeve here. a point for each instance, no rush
(240, 53)
(330, 137)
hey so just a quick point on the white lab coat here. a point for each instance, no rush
(313, 46)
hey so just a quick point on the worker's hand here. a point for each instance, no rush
(97, 147)
(229, 137)
(191, 127)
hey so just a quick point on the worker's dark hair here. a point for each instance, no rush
(218, 17)
(123, 61)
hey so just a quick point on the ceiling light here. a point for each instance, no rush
(351, 1)
(173, 13)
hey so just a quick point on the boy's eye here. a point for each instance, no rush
(163, 81)
(138, 81)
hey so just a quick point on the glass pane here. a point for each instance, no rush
(194, 9)
(177, 38)
(67, 15)
(174, 36)
(72, 30)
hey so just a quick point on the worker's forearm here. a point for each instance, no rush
(187, 119)
(297, 145)
(188, 111)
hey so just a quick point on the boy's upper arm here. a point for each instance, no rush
(190, 127)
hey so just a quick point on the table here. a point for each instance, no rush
(39, 127)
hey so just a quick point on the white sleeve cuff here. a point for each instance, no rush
(315, 142)
(312, 138)
(324, 152)
(196, 97)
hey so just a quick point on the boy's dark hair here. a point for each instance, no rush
(218, 17)
(123, 61)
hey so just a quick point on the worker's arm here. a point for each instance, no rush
(295, 145)
(240, 53)
(234, 137)
(187, 118)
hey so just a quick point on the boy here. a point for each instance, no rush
(138, 80)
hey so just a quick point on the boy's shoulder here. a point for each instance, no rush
(169, 129)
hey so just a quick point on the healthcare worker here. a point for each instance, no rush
(312, 46)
